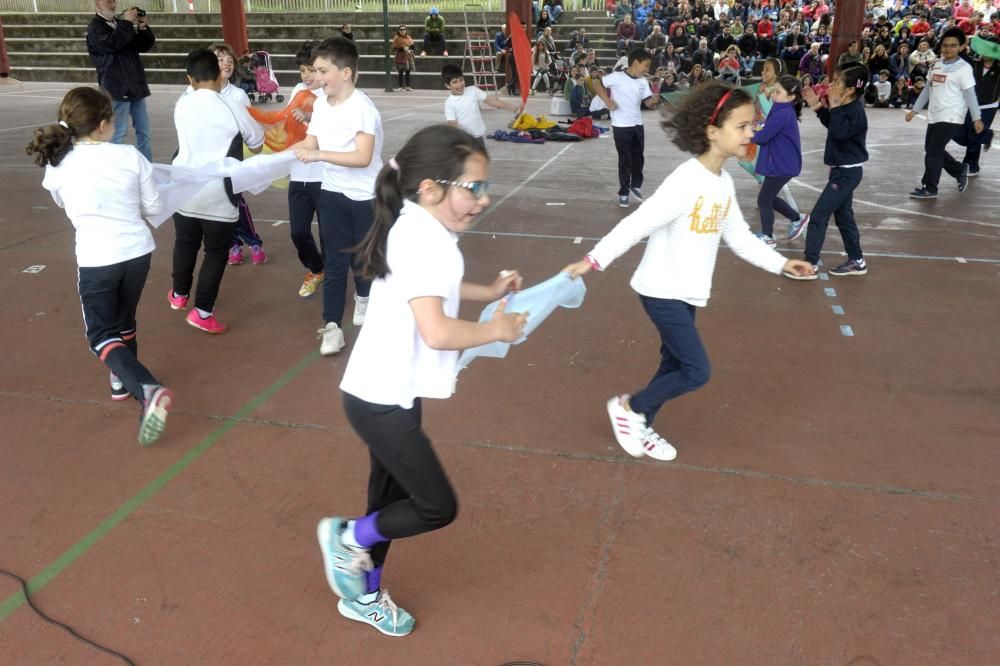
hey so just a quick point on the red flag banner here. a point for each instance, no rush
(522, 54)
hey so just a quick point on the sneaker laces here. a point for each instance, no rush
(386, 603)
(651, 436)
(360, 562)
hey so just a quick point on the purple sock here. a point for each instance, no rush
(366, 531)
(374, 580)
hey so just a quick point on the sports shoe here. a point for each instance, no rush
(154, 415)
(963, 178)
(923, 193)
(118, 390)
(850, 267)
(176, 302)
(973, 172)
(309, 284)
(383, 614)
(623, 201)
(235, 255)
(360, 308)
(798, 227)
(656, 447)
(809, 276)
(767, 240)
(628, 426)
(637, 193)
(257, 255)
(208, 324)
(332, 339)
(344, 565)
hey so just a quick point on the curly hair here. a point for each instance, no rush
(685, 124)
(80, 113)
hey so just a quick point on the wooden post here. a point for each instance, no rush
(847, 26)
(234, 25)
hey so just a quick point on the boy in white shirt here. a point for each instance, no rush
(345, 133)
(630, 92)
(209, 129)
(461, 109)
(883, 89)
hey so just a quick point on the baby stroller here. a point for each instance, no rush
(559, 71)
(264, 83)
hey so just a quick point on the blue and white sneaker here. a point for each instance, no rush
(766, 239)
(383, 614)
(797, 227)
(344, 565)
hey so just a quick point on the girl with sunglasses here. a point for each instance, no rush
(430, 192)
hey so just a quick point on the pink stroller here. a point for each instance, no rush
(263, 74)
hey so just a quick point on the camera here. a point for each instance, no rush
(142, 12)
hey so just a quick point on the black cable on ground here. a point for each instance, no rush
(24, 589)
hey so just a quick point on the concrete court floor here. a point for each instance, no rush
(835, 500)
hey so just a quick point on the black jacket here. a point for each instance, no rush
(115, 54)
(847, 130)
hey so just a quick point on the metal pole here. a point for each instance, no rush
(385, 37)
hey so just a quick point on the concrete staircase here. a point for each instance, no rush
(52, 47)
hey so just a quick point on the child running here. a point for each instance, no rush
(684, 219)
(106, 190)
(845, 152)
(780, 157)
(408, 350)
(461, 109)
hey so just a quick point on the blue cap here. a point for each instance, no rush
(434, 10)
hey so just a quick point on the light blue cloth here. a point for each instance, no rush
(539, 302)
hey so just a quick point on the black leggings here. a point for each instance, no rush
(404, 76)
(407, 485)
(768, 202)
(189, 235)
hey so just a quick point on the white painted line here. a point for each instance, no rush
(577, 240)
(961, 260)
(38, 268)
(846, 331)
(522, 184)
(824, 276)
(276, 223)
(830, 291)
(14, 129)
(837, 309)
(555, 203)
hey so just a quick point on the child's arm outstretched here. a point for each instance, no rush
(497, 103)
(509, 281)
(736, 232)
(444, 333)
(308, 150)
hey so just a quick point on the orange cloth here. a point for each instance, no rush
(281, 129)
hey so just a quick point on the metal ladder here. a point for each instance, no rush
(479, 49)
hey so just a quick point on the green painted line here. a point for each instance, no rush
(75, 551)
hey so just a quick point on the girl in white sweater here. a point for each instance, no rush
(684, 220)
(107, 189)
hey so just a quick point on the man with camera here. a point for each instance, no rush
(114, 44)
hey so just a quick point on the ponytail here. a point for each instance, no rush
(436, 153)
(81, 113)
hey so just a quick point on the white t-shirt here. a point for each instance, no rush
(335, 128)
(628, 93)
(947, 81)
(464, 109)
(231, 93)
(207, 124)
(106, 190)
(391, 364)
(684, 219)
(306, 172)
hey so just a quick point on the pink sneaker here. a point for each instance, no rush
(209, 325)
(176, 302)
(257, 255)
(236, 255)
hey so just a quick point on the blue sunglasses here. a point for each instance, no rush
(478, 188)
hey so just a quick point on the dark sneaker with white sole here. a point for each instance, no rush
(850, 267)
(118, 390)
(923, 193)
(637, 193)
(963, 178)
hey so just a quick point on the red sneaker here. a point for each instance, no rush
(209, 324)
(176, 302)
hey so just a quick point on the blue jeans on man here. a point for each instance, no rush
(135, 108)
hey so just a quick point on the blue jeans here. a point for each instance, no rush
(343, 224)
(140, 121)
(554, 11)
(684, 364)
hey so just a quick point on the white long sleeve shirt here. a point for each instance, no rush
(687, 216)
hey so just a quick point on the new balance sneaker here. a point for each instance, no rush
(118, 390)
(637, 193)
(176, 302)
(383, 614)
(344, 565)
(235, 255)
(154, 415)
(257, 255)
(767, 240)
(360, 308)
(808, 276)
(963, 178)
(309, 284)
(923, 193)
(209, 324)
(623, 201)
(798, 227)
(332, 339)
(850, 267)
(656, 447)
(628, 426)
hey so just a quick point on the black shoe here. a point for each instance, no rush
(963, 178)
(923, 193)
(973, 171)
(850, 267)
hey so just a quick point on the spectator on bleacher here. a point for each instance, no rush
(434, 32)
(554, 8)
(748, 42)
(540, 63)
(851, 55)
(655, 43)
(645, 28)
(970, 26)
(591, 63)
(765, 37)
(347, 33)
(642, 10)
(771, 10)
(626, 35)
(550, 42)
(756, 11)
(706, 28)
(920, 27)
(879, 61)
(897, 11)
(902, 37)
(697, 76)
(963, 10)
(622, 9)
(795, 44)
(544, 21)
(114, 44)
(577, 57)
(822, 35)
(579, 37)
(899, 63)
(723, 41)
(883, 37)
(500, 39)
(900, 94)
(702, 56)
(941, 12)
(922, 59)
(812, 62)
(671, 61)
(729, 65)
(680, 40)
(402, 50)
